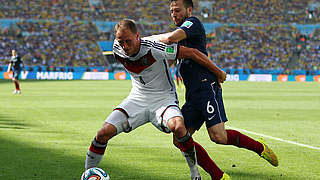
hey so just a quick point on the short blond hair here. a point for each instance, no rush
(127, 24)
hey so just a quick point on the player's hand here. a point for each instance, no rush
(222, 77)
(164, 40)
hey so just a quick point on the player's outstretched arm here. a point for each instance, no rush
(202, 59)
(171, 37)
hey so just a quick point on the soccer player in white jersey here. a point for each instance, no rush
(153, 97)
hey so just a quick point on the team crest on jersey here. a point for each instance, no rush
(187, 24)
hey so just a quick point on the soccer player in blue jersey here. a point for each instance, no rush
(15, 65)
(204, 102)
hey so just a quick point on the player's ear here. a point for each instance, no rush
(138, 35)
(189, 11)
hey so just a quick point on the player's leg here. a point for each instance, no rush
(116, 123)
(99, 145)
(17, 86)
(205, 161)
(186, 144)
(169, 119)
(15, 79)
(215, 119)
(193, 122)
(219, 135)
(177, 82)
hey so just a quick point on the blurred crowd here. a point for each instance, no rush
(262, 47)
(63, 32)
(60, 43)
(63, 43)
(309, 59)
(263, 11)
(226, 11)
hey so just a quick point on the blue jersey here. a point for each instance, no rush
(193, 73)
(16, 63)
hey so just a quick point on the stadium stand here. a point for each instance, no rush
(252, 47)
(243, 36)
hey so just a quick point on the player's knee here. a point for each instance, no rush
(219, 138)
(176, 125)
(180, 128)
(106, 133)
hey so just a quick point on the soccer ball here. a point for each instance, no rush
(95, 174)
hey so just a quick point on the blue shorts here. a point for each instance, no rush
(16, 74)
(204, 105)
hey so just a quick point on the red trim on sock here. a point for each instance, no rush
(207, 163)
(96, 149)
(240, 140)
(185, 146)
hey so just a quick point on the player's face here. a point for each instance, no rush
(14, 53)
(128, 40)
(178, 12)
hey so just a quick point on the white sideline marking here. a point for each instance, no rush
(275, 138)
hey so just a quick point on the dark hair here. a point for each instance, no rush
(128, 24)
(186, 3)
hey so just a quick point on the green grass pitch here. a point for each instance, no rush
(45, 132)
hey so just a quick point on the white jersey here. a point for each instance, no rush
(149, 69)
(153, 95)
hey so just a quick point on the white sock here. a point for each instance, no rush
(191, 158)
(92, 159)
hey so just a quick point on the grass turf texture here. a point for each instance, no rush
(45, 132)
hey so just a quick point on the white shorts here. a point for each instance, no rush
(136, 112)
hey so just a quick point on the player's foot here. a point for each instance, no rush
(195, 175)
(196, 178)
(17, 92)
(225, 177)
(194, 172)
(268, 154)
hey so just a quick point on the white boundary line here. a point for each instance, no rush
(275, 138)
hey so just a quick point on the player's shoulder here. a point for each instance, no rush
(151, 40)
(191, 22)
(194, 19)
(159, 49)
(152, 43)
(117, 49)
(116, 45)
